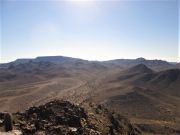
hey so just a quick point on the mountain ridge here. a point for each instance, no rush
(144, 91)
(156, 64)
(140, 68)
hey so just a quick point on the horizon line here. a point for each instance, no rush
(31, 58)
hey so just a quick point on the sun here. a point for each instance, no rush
(81, 0)
(82, 3)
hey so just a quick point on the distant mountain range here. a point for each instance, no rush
(178, 65)
(145, 91)
(52, 59)
(122, 63)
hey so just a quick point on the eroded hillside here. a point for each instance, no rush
(145, 91)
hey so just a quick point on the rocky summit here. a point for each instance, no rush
(63, 118)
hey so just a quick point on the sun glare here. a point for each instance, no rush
(82, 3)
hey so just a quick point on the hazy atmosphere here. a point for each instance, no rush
(89, 67)
(89, 29)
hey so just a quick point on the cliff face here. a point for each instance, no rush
(63, 118)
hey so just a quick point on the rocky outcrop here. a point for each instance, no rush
(63, 118)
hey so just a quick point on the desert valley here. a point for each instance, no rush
(144, 91)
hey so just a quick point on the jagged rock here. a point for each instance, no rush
(63, 118)
(29, 129)
(73, 129)
(83, 122)
(1, 122)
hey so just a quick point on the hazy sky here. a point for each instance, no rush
(93, 30)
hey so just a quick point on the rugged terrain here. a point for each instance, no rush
(145, 91)
(63, 118)
(148, 98)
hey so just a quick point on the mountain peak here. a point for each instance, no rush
(140, 59)
(141, 68)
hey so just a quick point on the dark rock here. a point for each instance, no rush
(63, 118)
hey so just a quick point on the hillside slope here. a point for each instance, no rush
(148, 98)
(147, 95)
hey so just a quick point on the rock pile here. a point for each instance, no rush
(63, 118)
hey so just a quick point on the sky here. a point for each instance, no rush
(89, 29)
